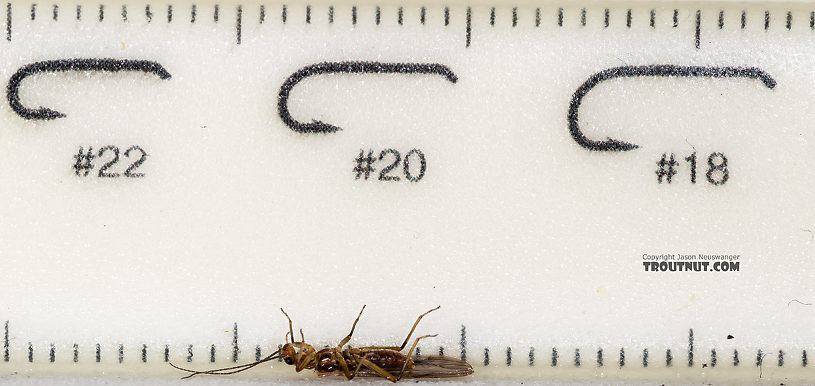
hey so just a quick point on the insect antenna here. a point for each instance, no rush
(228, 370)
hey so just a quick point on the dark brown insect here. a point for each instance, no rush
(375, 361)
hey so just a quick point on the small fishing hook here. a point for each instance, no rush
(110, 65)
(667, 70)
(347, 67)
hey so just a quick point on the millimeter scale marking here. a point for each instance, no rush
(275, 69)
(283, 8)
(188, 354)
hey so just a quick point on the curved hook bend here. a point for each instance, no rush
(110, 65)
(667, 70)
(347, 67)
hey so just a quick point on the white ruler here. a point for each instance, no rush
(174, 173)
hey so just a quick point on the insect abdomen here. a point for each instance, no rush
(387, 359)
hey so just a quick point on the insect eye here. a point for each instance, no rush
(288, 361)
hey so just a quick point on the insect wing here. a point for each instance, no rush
(430, 367)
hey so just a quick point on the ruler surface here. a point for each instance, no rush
(591, 192)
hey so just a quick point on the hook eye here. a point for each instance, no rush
(668, 70)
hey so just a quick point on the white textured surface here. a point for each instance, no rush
(520, 234)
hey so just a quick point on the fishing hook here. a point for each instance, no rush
(347, 67)
(110, 65)
(666, 70)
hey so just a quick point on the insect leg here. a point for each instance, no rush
(378, 370)
(291, 330)
(404, 366)
(359, 362)
(402, 347)
(304, 362)
(414, 327)
(337, 354)
(348, 338)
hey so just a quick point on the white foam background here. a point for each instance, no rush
(519, 234)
